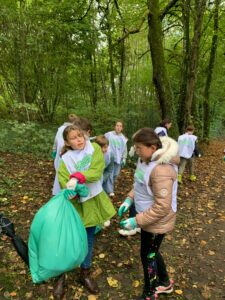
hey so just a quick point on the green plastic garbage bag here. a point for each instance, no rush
(58, 240)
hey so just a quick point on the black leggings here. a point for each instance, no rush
(152, 261)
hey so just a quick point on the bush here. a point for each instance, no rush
(27, 137)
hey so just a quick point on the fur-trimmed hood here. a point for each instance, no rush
(168, 153)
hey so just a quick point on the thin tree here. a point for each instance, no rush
(209, 72)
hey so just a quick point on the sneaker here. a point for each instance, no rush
(107, 223)
(111, 195)
(125, 232)
(138, 230)
(165, 289)
(193, 177)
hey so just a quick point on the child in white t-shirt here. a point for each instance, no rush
(118, 146)
(187, 143)
(162, 129)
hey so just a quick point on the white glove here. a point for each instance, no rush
(132, 151)
(71, 184)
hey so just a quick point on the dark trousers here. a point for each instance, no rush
(152, 261)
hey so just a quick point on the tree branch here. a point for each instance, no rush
(135, 30)
(167, 8)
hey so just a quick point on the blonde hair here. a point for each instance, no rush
(101, 140)
(72, 118)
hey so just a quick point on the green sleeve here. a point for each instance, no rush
(95, 171)
(63, 174)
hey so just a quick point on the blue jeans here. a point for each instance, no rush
(108, 186)
(86, 264)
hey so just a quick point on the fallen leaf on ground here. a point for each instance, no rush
(112, 282)
(135, 283)
(179, 292)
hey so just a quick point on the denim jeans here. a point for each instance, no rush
(86, 264)
(108, 186)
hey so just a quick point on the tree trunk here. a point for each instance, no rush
(206, 103)
(160, 77)
(122, 66)
(193, 63)
(20, 49)
(111, 67)
(185, 64)
(94, 80)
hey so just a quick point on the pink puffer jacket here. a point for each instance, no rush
(160, 218)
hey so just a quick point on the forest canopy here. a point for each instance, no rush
(136, 60)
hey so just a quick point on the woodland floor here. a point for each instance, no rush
(194, 252)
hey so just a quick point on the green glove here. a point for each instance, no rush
(123, 163)
(125, 206)
(53, 155)
(129, 224)
(82, 190)
(69, 194)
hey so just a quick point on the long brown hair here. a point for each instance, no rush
(66, 132)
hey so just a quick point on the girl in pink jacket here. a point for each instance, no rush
(154, 196)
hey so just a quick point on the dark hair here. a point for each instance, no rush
(190, 128)
(66, 132)
(164, 122)
(101, 140)
(147, 136)
(83, 123)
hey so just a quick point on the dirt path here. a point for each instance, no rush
(194, 252)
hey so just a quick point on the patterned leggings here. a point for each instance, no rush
(152, 261)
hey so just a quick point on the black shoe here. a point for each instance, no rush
(6, 226)
(59, 288)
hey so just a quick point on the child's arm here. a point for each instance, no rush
(124, 156)
(63, 174)
(196, 150)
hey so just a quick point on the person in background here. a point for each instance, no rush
(155, 197)
(83, 162)
(103, 142)
(57, 147)
(164, 126)
(85, 125)
(118, 146)
(188, 148)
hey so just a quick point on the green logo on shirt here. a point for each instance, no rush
(115, 143)
(84, 163)
(139, 175)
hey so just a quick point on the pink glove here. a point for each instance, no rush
(79, 176)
